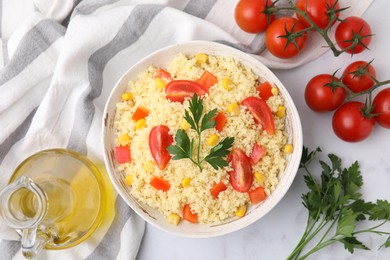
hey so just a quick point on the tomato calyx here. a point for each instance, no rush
(291, 36)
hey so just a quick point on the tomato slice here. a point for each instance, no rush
(188, 215)
(256, 154)
(264, 90)
(160, 73)
(261, 113)
(257, 195)
(207, 79)
(218, 188)
(159, 140)
(140, 112)
(220, 121)
(123, 154)
(241, 178)
(160, 184)
(178, 90)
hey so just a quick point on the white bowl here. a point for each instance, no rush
(162, 58)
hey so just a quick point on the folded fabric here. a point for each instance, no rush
(62, 58)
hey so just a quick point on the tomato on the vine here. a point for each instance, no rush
(317, 11)
(353, 29)
(382, 107)
(350, 124)
(359, 82)
(250, 16)
(321, 98)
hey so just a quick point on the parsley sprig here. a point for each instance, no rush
(336, 206)
(184, 147)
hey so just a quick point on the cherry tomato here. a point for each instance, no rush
(382, 107)
(261, 113)
(159, 140)
(220, 121)
(349, 123)
(241, 178)
(218, 188)
(349, 27)
(358, 83)
(250, 17)
(188, 215)
(265, 90)
(321, 98)
(256, 154)
(317, 10)
(178, 90)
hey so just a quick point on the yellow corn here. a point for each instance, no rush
(129, 180)
(227, 84)
(241, 211)
(201, 58)
(185, 125)
(186, 182)
(160, 83)
(141, 123)
(288, 148)
(212, 140)
(259, 177)
(149, 166)
(275, 91)
(124, 140)
(234, 108)
(281, 111)
(174, 219)
(127, 96)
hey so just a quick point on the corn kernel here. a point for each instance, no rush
(174, 219)
(141, 123)
(149, 166)
(288, 148)
(259, 177)
(234, 108)
(185, 125)
(201, 58)
(241, 211)
(129, 180)
(227, 84)
(160, 83)
(186, 182)
(127, 96)
(275, 91)
(281, 111)
(124, 140)
(212, 140)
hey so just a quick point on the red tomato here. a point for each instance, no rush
(207, 79)
(256, 154)
(241, 178)
(140, 112)
(160, 73)
(159, 140)
(358, 83)
(321, 98)
(188, 215)
(349, 124)
(123, 154)
(349, 27)
(277, 45)
(178, 90)
(257, 195)
(218, 188)
(160, 184)
(250, 16)
(220, 121)
(382, 107)
(317, 10)
(261, 113)
(264, 90)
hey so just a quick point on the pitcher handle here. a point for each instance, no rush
(33, 242)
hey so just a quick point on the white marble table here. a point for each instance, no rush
(275, 235)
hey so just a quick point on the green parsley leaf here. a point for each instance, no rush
(350, 243)
(218, 152)
(183, 148)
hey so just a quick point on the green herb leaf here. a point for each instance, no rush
(183, 148)
(380, 211)
(196, 109)
(387, 243)
(216, 156)
(207, 120)
(350, 243)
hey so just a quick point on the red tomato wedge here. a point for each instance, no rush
(220, 121)
(257, 195)
(207, 79)
(159, 140)
(123, 154)
(160, 73)
(241, 178)
(160, 184)
(264, 90)
(140, 112)
(188, 215)
(261, 113)
(256, 154)
(218, 188)
(178, 90)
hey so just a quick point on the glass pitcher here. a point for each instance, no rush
(54, 200)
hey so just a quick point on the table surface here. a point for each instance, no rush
(275, 235)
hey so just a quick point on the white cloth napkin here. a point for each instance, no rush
(60, 60)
